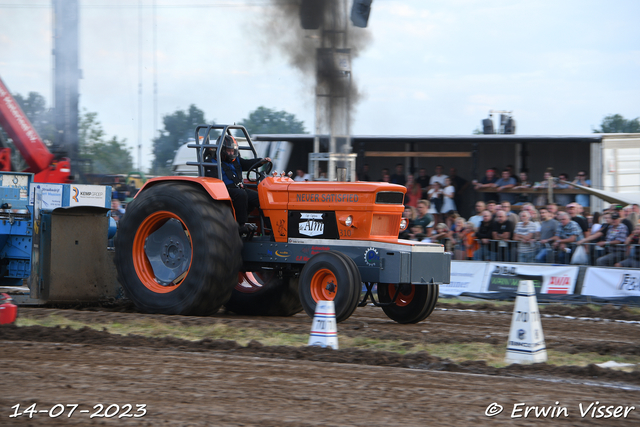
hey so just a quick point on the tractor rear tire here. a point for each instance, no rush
(177, 251)
(414, 304)
(265, 294)
(329, 276)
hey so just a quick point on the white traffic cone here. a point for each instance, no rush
(324, 331)
(526, 340)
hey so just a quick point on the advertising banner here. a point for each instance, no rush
(466, 276)
(51, 195)
(88, 195)
(547, 279)
(611, 282)
(65, 195)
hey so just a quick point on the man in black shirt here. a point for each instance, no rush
(623, 214)
(423, 181)
(594, 250)
(573, 209)
(460, 184)
(488, 181)
(399, 177)
(503, 233)
(385, 177)
(364, 173)
(484, 234)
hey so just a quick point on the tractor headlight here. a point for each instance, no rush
(348, 221)
(403, 224)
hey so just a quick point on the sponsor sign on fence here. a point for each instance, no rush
(466, 276)
(611, 282)
(552, 279)
(51, 195)
(483, 277)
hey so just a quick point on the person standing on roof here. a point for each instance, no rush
(244, 200)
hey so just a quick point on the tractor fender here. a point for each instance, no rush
(215, 188)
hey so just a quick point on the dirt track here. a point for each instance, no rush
(216, 382)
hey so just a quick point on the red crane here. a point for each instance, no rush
(42, 163)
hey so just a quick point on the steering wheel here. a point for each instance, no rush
(259, 175)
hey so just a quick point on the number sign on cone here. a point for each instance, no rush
(324, 332)
(526, 340)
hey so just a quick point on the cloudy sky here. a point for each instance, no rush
(431, 67)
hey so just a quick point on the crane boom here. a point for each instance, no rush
(25, 138)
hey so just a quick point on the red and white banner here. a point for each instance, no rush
(611, 282)
(481, 277)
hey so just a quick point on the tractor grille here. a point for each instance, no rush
(385, 225)
(390, 197)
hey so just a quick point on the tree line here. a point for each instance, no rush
(107, 155)
(180, 126)
(111, 155)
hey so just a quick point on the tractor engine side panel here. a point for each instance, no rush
(274, 201)
(320, 210)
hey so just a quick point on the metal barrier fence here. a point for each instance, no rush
(536, 252)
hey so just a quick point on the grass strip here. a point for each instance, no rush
(508, 305)
(493, 355)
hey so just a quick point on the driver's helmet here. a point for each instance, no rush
(209, 154)
(229, 149)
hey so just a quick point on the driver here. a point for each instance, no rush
(244, 200)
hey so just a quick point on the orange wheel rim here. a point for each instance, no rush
(406, 294)
(141, 262)
(324, 285)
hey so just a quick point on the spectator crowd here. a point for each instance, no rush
(539, 231)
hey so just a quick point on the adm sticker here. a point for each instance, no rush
(311, 224)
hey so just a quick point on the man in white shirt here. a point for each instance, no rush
(438, 177)
(525, 234)
(302, 176)
(477, 218)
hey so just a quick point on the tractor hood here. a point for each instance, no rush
(332, 210)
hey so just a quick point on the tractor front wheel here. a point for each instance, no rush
(330, 276)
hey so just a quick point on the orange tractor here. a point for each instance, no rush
(178, 249)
